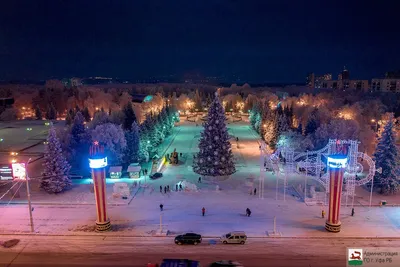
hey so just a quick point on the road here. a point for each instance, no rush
(124, 251)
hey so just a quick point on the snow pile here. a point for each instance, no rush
(188, 186)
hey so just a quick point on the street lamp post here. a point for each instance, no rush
(28, 191)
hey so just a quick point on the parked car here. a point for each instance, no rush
(156, 175)
(179, 263)
(226, 264)
(188, 238)
(234, 238)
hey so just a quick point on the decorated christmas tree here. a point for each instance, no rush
(55, 177)
(215, 157)
(387, 157)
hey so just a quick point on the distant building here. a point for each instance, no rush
(6, 102)
(356, 85)
(392, 74)
(320, 79)
(73, 82)
(345, 74)
(385, 85)
(310, 80)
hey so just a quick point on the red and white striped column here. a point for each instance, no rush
(98, 164)
(337, 165)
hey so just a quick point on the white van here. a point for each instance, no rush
(234, 238)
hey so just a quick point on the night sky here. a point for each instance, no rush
(277, 41)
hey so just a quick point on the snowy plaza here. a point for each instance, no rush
(74, 212)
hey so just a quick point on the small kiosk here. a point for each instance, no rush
(115, 172)
(134, 170)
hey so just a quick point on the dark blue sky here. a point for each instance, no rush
(258, 40)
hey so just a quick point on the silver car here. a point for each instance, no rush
(234, 238)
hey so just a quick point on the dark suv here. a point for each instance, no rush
(188, 238)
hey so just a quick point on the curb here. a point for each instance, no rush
(206, 237)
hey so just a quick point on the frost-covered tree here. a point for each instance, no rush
(55, 176)
(69, 118)
(51, 113)
(294, 140)
(79, 143)
(132, 144)
(129, 116)
(113, 139)
(198, 104)
(387, 157)
(100, 117)
(86, 114)
(38, 113)
(215, 157)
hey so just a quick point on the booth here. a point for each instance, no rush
(115, 172)
(134, 170)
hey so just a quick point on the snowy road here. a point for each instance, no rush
(122, 251)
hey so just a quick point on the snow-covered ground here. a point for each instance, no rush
(225, 209)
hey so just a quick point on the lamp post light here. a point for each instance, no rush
(375, 125)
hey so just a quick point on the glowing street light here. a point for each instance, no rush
(14, 153)
(13, 160)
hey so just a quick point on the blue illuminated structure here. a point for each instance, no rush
(337, 161)
(98, 163)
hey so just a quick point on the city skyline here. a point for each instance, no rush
(258, 41)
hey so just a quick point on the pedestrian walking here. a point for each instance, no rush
(161, 207)
(176, 187)
(168, 188)
(255, 191)
(199, 180)
(180, 187)
(203, 211)
(165, 189)
(237, 139)
(352, 212)
(323, 214)
(180, 154)
(160, 188)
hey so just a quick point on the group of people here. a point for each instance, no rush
(167, 189)
(143, 172)
(203, 210)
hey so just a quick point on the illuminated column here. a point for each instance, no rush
(336, 164)
(98, 164)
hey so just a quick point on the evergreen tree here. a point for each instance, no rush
(132, 144)
(197, 101)
(311, 126)
(86, 114)
(51, 113)
(55, 177)
(38, 113)
(130, 116)
(215, 157)
(387, 157)
(79, 142)
(70, 117)
(143, 143)
(255, 115)
(271, 129)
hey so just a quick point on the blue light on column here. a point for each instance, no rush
(337, 161)
(98, 163)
